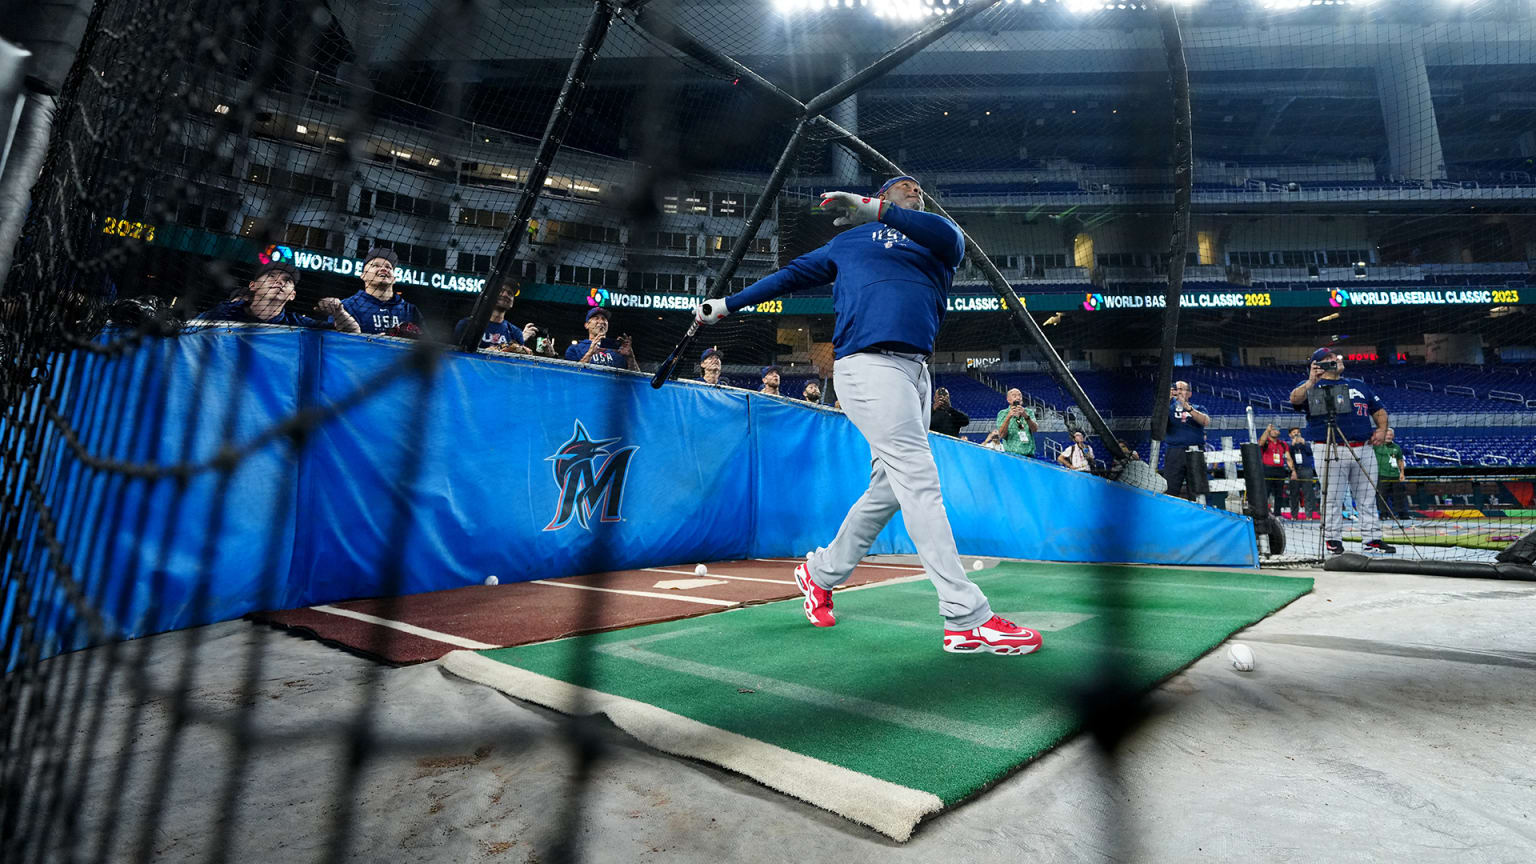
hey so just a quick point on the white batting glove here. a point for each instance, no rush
(858, 209)
(711, 311)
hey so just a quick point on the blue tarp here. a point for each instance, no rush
(489, 465)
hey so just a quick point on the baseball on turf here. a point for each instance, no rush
(491, 580)
(700, 570)
(1241, 656)
(976, 565)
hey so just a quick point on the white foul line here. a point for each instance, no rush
(684, 598)
(713, 575)
(435, 636)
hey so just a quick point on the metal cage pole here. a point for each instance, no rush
(1178, 240)
(680, 40)
(533, 186)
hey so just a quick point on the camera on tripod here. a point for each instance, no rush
(1329, 398)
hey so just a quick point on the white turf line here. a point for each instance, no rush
(714, 575)
(907, 567)
(888, 808)
(680, 597)
(445, 638)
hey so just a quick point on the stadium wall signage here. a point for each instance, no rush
(241, 249)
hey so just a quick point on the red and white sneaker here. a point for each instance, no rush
(996, 636)
(818, 600)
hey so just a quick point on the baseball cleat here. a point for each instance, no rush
(1380, 547)
(1335, 547)
(818, 600)
(995, 636)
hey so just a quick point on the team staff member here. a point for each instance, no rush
(1391, 471)
(946, 418)
(500, 333)
(890, 272)
(378, 308)
(1186, 429)
(1016, 425)
(811, 392)
(599, 350)
(1353, 466)
(770, 380)
(1275, 455)
(1303, 479)
(265, 301)
(710, 364)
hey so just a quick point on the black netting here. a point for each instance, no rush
(1362, 180)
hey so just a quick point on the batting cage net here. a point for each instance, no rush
(371, 321)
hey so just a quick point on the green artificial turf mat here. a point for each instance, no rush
(876, 696)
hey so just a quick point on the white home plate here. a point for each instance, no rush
(685, 584)
(1046, 622)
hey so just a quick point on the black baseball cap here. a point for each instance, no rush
(277, 267)
(382, 252)
(598, 310)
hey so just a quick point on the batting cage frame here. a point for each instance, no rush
(121, 477)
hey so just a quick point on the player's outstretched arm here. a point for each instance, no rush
(809, 270)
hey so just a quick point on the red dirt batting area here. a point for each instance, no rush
(421, 627)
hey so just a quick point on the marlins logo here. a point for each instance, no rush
(591, 479)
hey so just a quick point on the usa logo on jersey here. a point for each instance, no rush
(590, 477)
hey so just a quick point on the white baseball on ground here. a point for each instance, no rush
(491, 580)
(976, 565)
(1241, 656)
(700, 570)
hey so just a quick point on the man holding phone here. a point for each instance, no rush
(598, 350)
(1016, 426)
(1184, 466)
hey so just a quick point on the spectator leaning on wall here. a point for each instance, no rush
(379, 308)
(500, 334)
(771, 380)
(598, 350)
(710, 364)
(265, 299)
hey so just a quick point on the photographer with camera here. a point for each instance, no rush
(1343, 446)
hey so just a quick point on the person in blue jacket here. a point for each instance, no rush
(891, 272)
(265, 300)
(379, 308)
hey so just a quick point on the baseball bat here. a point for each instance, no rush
(664, 371)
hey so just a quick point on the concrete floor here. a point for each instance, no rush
(1390, 718)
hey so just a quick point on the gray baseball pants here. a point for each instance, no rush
(1352, 469)
(887, 397)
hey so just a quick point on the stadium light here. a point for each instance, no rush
(301, 129)
(221, 108)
